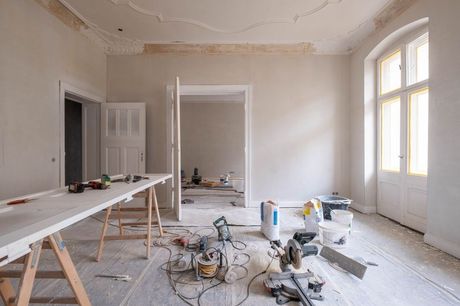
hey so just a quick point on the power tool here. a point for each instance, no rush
(222, 229)
(287, 286)
(76, 187)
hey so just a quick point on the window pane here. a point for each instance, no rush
(390, 73)
(418, 132)
(390, 134)
(422, 62)
(418, 60)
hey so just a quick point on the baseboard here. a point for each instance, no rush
(283, 204)
(364, 209)
(447, 246)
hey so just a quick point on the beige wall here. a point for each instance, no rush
(212, 138)
(300, 108)
(37, 50)
(444, 144)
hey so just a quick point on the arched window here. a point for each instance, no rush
(403, 97)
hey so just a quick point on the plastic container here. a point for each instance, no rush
(312, 215)
(269, 220)
(344, 217)
(333, 234)
(330, 202)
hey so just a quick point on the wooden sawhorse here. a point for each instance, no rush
(132, 213)
(30, 272)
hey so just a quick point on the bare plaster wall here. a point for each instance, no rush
(444, 144)
(212, 138)
(300, 107)
(37, 50)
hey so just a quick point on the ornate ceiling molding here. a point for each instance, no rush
(161, 18)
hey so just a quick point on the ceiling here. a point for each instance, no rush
(331, 26)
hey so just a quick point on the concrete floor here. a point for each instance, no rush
(409, 272)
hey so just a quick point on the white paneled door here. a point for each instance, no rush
(123, 129)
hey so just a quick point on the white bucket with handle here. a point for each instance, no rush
(344, 217)
(333, 234)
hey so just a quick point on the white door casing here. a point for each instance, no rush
(176, 152)
(123, 133)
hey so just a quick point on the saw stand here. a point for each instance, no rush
(287, 285)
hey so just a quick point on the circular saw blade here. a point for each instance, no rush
(294, 252)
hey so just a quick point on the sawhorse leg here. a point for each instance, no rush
(30, 272)
(123, 213)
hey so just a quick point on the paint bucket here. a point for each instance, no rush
(344, 217)
(269, 220)
(333, 234)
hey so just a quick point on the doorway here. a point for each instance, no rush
(79, 135)
(212, 151)
(191, 93)
(73, 142)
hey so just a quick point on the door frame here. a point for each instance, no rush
(81, 96)
(208, 90)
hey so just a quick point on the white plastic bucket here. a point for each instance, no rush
(333, 234)
(344, 217)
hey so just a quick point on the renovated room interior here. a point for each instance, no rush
(108, 106)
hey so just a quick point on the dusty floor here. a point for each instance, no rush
(409, 272)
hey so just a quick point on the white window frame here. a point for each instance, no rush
(403, 92)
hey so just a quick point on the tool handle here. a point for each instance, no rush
(19, 201)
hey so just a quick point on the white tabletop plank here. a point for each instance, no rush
(52, 211)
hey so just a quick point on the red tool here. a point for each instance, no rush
(19, 201)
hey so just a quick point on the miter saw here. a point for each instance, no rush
(287, 285)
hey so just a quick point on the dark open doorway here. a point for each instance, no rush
(73, 142)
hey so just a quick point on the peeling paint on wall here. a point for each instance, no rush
(394, 9)
(230, 49)
(61, 12)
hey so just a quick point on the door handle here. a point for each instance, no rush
(142, 156)
(401, 156)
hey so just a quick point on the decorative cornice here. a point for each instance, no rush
(161, 18)
(230, 49)
(394, 9)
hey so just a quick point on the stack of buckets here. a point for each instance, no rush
(334, 233)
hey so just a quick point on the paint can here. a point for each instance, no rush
(333, 234)
(344, 217)
(269, 220)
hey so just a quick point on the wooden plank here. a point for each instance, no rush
(38, 274)
(7, 292)
(149, 222)
(124, 209)
(54, 210)
(28, 274)
(53, 300)
(120, 225)
(157, 211)
(125, 237)
(68, 268)
(139, 223)
(128, 215)
(104, 230)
